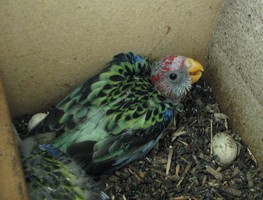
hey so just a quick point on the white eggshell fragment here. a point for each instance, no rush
(35, 119)
(225, 148)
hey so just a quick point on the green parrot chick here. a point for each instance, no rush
(119, 115)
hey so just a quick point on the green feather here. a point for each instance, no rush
(52, 177)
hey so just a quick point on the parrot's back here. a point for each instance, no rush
(50, 174)
(112, 119)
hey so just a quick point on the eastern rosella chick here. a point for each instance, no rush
(119, 115)
(52, 175)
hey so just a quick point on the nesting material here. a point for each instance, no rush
(184, 167)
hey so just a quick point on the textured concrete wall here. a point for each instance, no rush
(235, 64)
(48, 47)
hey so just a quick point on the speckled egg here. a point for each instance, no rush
(225, 148)
(35, 119)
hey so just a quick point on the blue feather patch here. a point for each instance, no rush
(168, 115)
(138, 58)
(50, 149)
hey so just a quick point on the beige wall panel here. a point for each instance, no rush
(48, 47)
(235, 69)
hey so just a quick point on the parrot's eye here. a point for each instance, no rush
(173, 76)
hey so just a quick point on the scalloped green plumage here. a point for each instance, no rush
(119, 104)
(55, 177)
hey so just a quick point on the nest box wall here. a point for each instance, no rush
(235, 69)
(48, 47)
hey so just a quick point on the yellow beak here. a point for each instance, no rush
(195, 69)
